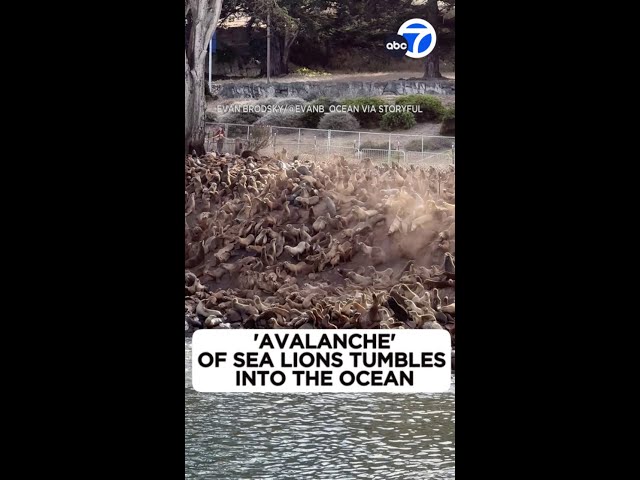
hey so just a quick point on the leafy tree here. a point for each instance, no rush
(289, 20)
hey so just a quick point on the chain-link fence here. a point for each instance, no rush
(316, 143)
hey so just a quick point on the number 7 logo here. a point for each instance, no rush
(415, 31)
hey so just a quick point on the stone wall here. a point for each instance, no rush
(312, 90)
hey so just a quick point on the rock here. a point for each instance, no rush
(335, 89)
(191, 325)
(193, 322)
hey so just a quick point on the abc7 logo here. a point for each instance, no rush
(416, 38)
(396, 45)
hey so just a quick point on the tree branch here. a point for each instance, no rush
(213, 14)
(292, 39)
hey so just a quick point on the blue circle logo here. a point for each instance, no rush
(420, 36)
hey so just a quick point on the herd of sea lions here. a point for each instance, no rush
(278, 243)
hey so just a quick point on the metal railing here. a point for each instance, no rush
(318, 143)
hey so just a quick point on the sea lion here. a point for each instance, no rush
(435, 300)
(376, 254)
(451, 309)
(398, 310)
(449, 265)
(190, 204)
(298, 249)
(196, 259)
(300, 268)
(242, 211)
(249, 153)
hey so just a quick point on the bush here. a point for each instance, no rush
(282, 119)
(448, 126)
(374, 145)
(397, 121)
(432, 108)
(311, 118)
(307, 72)
(267, 101)
(259, 138)
(338, 121)
(290, 101)
(210, 116)
(243, 118)
(430, 144)
(367, 119)
(234, 131)
(413, 145)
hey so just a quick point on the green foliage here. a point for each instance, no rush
(282, 119)
(430, 144)
(450, 112)
(365, 23)
(338, 121)
(448, 126)
(236, 131)
(310, 117)
(374, 145)
(224, 54)
(210, 116)
(432, 108)
(243, 118)
(290, 101)
(259, 137)
(307, 72)
(267, 101)
(413, 145)
(368, 119)
(323, 23)
(397, 121)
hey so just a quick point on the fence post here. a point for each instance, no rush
(315, 147)
(359, 141)
(299, 130)
(389, 151)
(453, 153)
(275, 137)
(329, 142)
(422, 151)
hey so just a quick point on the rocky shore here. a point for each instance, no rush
(289, 243)
(334, 89)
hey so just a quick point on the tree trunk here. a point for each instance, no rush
(289, 38)
(432, 64)
(194, 110)
(201, 19)
(276, 55)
